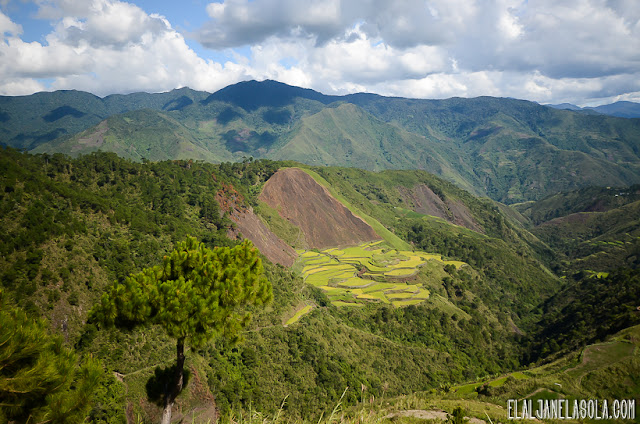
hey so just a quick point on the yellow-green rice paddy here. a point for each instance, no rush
(299, 314)
(352, 276)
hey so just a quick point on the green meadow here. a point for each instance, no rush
(369, 272)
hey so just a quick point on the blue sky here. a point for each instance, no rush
(585, 52)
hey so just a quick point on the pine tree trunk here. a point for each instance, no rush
(178, 382)
(166, 413)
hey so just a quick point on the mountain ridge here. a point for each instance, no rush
(507, 149)
(621, 109)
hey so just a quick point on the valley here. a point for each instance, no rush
(423, 255)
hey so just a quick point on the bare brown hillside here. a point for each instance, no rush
(248, 225)
(324, 220)
(423, 200)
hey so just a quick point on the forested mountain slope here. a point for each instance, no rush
(486, 297)
(506, 149)
(70, 227)
(593, 230)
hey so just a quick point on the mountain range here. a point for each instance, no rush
(506, 149)
(622, 109)
(424, 254)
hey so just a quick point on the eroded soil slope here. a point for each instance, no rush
(324, 221)
(423, 200)
(251, 227)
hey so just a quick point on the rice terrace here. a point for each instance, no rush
(369, 272)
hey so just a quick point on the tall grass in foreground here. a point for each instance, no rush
(337, 415)
(374, 411)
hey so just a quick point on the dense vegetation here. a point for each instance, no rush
(477, 143)
(73, 227)
(508, 263)
(587, 311)
(592, 230)
(40, 378)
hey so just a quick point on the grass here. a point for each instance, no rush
(597, 356)
(400, 303)
(356, 282)
(403, 295)
(467, 388)
(381, 287)
(413, 262)
(341, 303)
(444, 305)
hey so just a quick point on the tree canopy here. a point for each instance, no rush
(196, 294)
(40, 379)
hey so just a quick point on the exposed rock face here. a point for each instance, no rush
(324, 221)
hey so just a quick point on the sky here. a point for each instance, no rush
(585, 52)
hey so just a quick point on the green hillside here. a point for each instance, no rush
(518, 149)
(605, 371)
(580, 314)
(589, 199)
(140, 135)
(452, 299)
(71, 227)
(348, 136)
(479, 304)
(509, 150)
(28, 121)
(593, 230)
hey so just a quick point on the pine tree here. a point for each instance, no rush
(196, 294)
(40, 379)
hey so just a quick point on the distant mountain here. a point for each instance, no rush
(251, 95)
(621, 109)
(28, 121)
(565, 106)
(141, 134)
(509, 150)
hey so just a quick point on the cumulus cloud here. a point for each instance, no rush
(106, 47)
(585, 38)
(111, 24)
(541, 50)
(9, 27)
(535, 50)
(236, 23)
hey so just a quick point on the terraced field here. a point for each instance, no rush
(369, 272)
(299, 314)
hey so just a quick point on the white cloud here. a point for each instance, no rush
(37, 61)
(110, 24)
(541, 50)
(107, 47)
(20, 86)
(9, 27)
(402, 24)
